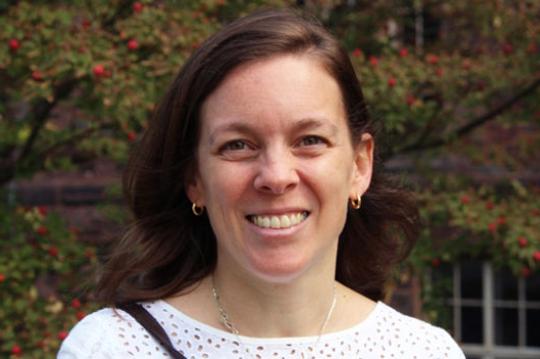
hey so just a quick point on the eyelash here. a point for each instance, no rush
(318, 140)
(242, 145)
(233, 145)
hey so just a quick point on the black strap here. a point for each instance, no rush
(151, 325)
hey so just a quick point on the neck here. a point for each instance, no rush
(300, 307)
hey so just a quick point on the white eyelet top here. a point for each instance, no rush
(385, 333)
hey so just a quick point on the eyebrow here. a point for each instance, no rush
(314, 123)
(229, 127)
(300, 125)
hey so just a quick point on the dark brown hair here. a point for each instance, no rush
(167, 249)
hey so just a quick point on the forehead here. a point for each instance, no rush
(282, 67)
(281, 86)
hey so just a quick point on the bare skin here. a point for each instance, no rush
(275, 145)
(290, 320)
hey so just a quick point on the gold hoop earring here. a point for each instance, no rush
(356, 202)
(197, 210)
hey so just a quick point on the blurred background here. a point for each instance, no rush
(454, 86)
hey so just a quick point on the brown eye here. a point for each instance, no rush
(311, 141)
(235, 150)
(236, 145)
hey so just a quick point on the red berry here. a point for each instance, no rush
(374, 61)
(99, 71)
(16, 350)
(536, 256)
(80, 315)
(76, 303)
(53, 251)
(42, 210)
(357, 52)
(466, 64)
(42, 230)
(86, 24)
(392, 81)
(525, 272)
(439, 72)
(411, 100)
(489, 205)
(432, 59)
(404, 52)
(62, 335)
(523, 242)
(14, 45)
(465, 199)
(137, 7)
(507, 48)
(89, 253)
(133, 44)
(132, 136)
(480, 86)
(532, 48)
(492, 227)
(501, 220)
(37, 75)
(2, 277)
(435, 262)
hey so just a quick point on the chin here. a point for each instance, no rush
(279, 271)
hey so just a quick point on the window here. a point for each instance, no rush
(493, 314)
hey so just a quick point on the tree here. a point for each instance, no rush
(474, 78)
(79, 80)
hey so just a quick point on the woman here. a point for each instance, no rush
(262, 229)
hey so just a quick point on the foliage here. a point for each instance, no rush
(42, 268)
(80, 79)
(504, 228)
(431, 96)
(501, 226)
(108, 60)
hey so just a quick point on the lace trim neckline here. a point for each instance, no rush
(364, 325)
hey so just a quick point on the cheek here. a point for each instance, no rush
(333, 175)
(224, 185)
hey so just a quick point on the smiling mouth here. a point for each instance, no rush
(282, 221)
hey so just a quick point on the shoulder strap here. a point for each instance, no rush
(151, 325)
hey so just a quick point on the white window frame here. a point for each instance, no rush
(489, 350)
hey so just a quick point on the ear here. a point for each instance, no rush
(194, 189)
(363, 165)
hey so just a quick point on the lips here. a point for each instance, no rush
(278, 221)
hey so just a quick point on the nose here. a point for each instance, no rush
(277, 172)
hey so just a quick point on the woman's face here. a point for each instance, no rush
(276, 167)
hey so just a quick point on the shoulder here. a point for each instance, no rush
(101, 334)
(417, 336)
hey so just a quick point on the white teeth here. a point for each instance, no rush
(283, 221)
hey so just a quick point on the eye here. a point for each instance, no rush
(311, 141)
(236, 145)
(235, 150)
